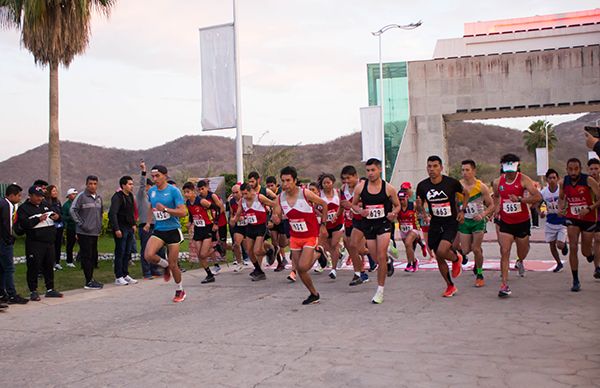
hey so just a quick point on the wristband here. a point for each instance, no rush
(143, 173)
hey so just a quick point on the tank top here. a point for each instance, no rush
(579, 196)
(407, 218)
(301, 216)
(255, 213)
(234, 205)
(378, 205)
(198, 214)
(512, 212)
(333, 205)
(475, 205)
(346, 195)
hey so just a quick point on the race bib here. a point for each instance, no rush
(298, 226)
(405, 228)
(576, 209)
(472, 210)
(331, 216)
(251, 219)
(242, 222)
(161, 216)
(511, 207)
(441, 209)
(375, 212)
(199, 222)
(552, 207)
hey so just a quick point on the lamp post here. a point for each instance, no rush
(378, 34)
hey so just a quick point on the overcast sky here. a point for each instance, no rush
(303, 66)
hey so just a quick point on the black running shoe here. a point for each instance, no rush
(253, 273)
(280, 267)
(270, 256)
(17, 299)
(53, 294)
(356, 280)
(93, 285)
(259, 276)
(590, 258)
(4, 298)
(34, 296)
(558, 268)
(565, 250)
(208, 279)
(312, 299)
(390, 267)
(465, 259)
(597, 273)
(322, 258)
(576, 287)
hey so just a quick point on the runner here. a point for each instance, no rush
(379, 209)
(219, 228)
(236, 229)
(555, 232)
(166, 206)
(354, 239)
(406, 187)
(334, 220)
(440, 193)
(297, 205)
(479, 207)
(409, 230)
(577, 204)
(255, 182)
(594, 170)
(323, 257)
(254, 211)
(202, 224)
(514, 223)
(279, 232)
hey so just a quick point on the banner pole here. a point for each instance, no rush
(239, 149)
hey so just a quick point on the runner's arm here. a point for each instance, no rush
(356, 198)
(487, 201)
(266, 201)
(270, 193)
(496, 196)
(233, 220)
(534, 194)
(277, 213)
(316, 200)
(596, 189)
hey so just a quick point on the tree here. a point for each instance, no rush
(54, 31)
(535, 136)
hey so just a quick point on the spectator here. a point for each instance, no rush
(148, 270)
(69, 226)
(41, 183)
(54, 204)
(37, 220)
(86, 211)
(592, 142)
(8, 216)
(122, 218)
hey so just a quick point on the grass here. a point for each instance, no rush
(72, 278)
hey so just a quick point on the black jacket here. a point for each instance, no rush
(28, 217)
(5, 229)
(122, 211)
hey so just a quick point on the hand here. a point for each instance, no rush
(584, 211)
(392, 216)
(118, 234)
(54, 216)
(160, 207)
(147, 228)
(143, 166)
(364, 212)
(270, 224)
(477, 217)
(513, 198)
(460, 217)
(323, 232)
(345, 204)
(43, 217)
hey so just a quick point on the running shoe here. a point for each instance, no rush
(259, 276)
(457, 266)
(521, 268)
(167, 274)
(253, 273)
(559, 267)
(270, 256)
(130, 280)
(590, 258)
(58, 267)
(322, 259)
(312, 299)
(597, 273)
(93, 285)
(121, 282)
(34, 296)
(333, 274)
(280, 267)
(17, 299)
(364, 277)
(319, 269)
(53, 294)
(479, 282)
(504, 291)
(208, 279)
(408, 267)
(576, 287)
(465, 259)
(70, 265)
(565, 250)
(378, 298)
(415, 266)
(179, 296)
(216, 269)
(237, 267)
(450, 291)
(292, 276)
(372, 264)
(390, 266)
(356, 280)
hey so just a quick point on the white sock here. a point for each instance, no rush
(357, 273)
(179, 286)
(380, 289)
(163, 263)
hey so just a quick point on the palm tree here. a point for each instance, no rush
(54, 31)
(535, 136)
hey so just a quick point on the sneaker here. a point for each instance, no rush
(479, 282)
(424, 250)
(322, 259)
(390, 267)
(34, 296)
(4, 298)
(504, 291)
(333, 274)
(58, 267)
(576, 287)
(312, 299)
(457, 266)
(179, 296)
(238, 267)
(378, 298)
(364, 277)
(356, 280)
(216, 269)
(71, 265)
(130, 280)
(590, 258)
(53, 294)
(259, 276)
(93, 285)
(408, 267)
(292, 276)
(319, 269)
(208, 279)
(415, 266)
(121, 282)
(559, 267)
(565, 250)
(521, 268)
(451, 290)
(17, 299)
(167, 275)
(270, 256)
(465, 260)
(3, 306)
(597, 273)
(280, 267)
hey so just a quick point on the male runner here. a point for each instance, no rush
(594, 170)
(297, 205)
(254, 181)
(166, 206)
(410, 232)
(379, 209)
(514, 221)
(279, 232)
(237, 229)
(555, 232)
(219, 228)
(440, 193)
(479, 207)
(577, 203)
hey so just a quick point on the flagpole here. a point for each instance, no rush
(239, 149)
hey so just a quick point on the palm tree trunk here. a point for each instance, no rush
(54, 173)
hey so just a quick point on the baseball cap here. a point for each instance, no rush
(36, 190)
(71, 191)
(402, 194)
(159, 168)
(405, 186)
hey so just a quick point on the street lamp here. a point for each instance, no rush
(378, 33)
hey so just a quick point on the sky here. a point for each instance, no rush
(302, 64)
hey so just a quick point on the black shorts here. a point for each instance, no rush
(254, 231)
(520, 230)
(437, 233)
(357, 224)
(169, 237)
(223, 233)
(374, 229)
(202, 233)
(332, 230)
(584, 226)
(348, 230)
(237, 230)
(282, 228)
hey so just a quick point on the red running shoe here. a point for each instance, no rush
(450, 291)
(457, 266)
(179, 296)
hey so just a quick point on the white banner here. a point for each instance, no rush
(370, 126)
(541, 157)
(217, 51)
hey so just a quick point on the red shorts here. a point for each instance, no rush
(297, 243)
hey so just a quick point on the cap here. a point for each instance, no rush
(402, 194)
(406, 185)
(71, 191)
(159, 168)
(36, 190)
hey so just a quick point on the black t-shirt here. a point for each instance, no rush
(441, 199)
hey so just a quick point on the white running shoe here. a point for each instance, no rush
(238, 267)
(215, 270)
(58, 267)
(130, 280)
(520, 268)
(71, 265)
(121, 282)
(378, 298)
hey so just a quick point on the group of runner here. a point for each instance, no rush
(447, 218)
